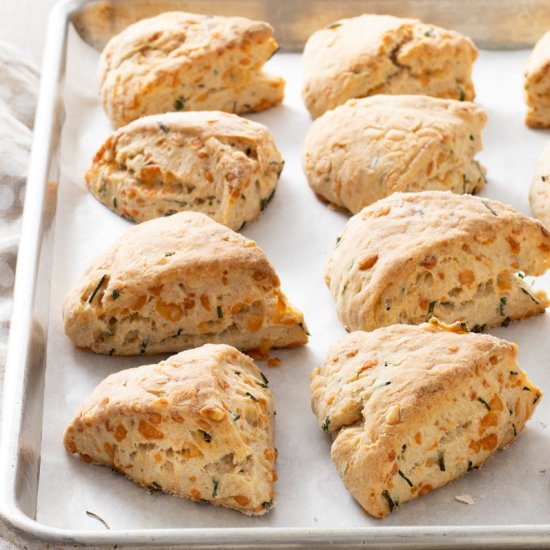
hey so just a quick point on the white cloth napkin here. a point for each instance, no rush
(19, 81)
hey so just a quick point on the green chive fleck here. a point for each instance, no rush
(266, 201)
(515, 430)
(115, 294)
(301, 325)
(248, 394)
(235, 416)
(267, 505)
(431, 308)
(326, 424)
(179, 104)
(220, 312)
(478, 328)
(177, 333)
(162, 127)
(502, 307)
(530, 296)
(484, 403)
(265, 382)
(389, 500)
(405, 478)
(488, 206)
(441, 462)
(506, 322)
(144, 345)
(215, 490)
(96, 289)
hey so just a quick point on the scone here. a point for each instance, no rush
(539, 194)
(381, 54)
(413, 407)
(412, 256)
(176, 283)
(369, 148)
(198, 425)
(181, 61)
(212, 162)
(537, 85)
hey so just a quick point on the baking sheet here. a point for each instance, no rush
(297, 233)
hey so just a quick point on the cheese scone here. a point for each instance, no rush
(413, 407)
(368, 148)
(456, 257)
(381, 54)
(537, 84)
(539, 194)
(176, 283)
(212, 162)
(198, 425)
(180, 61)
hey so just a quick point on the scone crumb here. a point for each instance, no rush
(464, 498)
(273, 362)
(542, 423)
(542, 471)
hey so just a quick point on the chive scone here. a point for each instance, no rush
(198, 425)
(411, 408)
(212, 162)
(381, 54)
(412, 256)
(539, 194)
(176, 283)
(183, 61)
(368, 148)
(537, 84)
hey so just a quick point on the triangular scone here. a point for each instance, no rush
(457, 257)
(216, 163)
(381, 54)
(414, 407)
(369, 148)
(537, 84)
(176, 283)
(198, 425)
(185, 61)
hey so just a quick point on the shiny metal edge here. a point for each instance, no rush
(24, 378)
(496, 24)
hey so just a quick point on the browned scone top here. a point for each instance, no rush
(413, 407)
(179, 282)
(368, 148)
(382, 54)
(537, 84)
(184, 61)
(206, 161)
(198, 425)
(413, 255)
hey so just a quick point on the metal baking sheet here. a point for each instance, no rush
(45, 493)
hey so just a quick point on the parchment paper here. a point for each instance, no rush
(297, 232)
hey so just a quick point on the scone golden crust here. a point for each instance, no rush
(381, 54)
(414, 407)
(537, 85)
(183, 61)
(198, 425)
(176, 283)
(368, 148)
(212, 162)
(413, 255)
(539, 194)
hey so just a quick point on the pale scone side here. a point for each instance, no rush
(176, 283)
(183, 61)
(539, 193)
(413, 407)
(537, 85)
(212, 162)
(198, 425)
(457, 257)
(381, 54)
(368, 148)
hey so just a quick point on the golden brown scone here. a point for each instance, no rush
(457, 257)
(413, 407)
(537, 84)
(539, 194)
(183, 61)
(212, 162)
(176, 283)
(198, 425)
(368, 148)
(381, 54)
